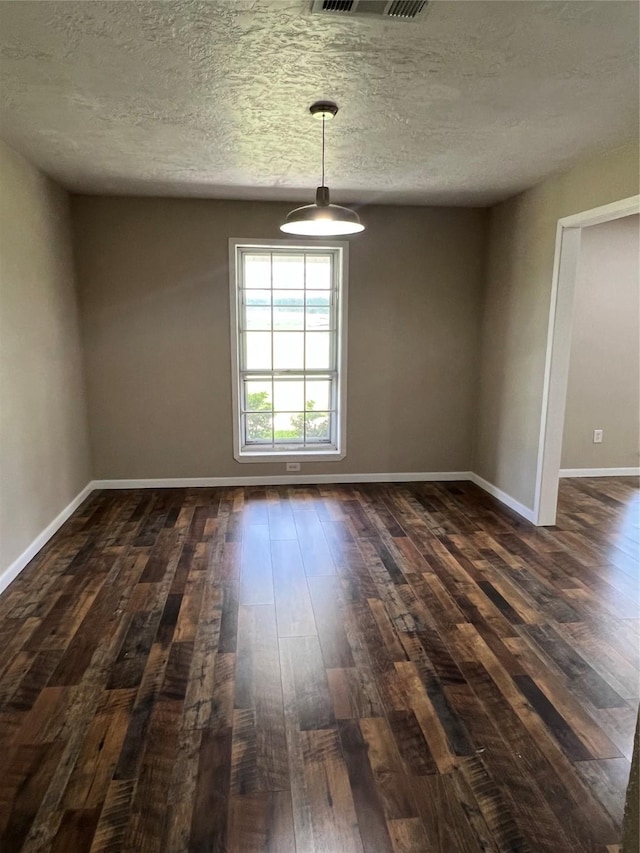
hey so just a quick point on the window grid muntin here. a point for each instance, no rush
(304, 356)
(331, 375)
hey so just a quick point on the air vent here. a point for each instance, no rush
(406, 8)
(391, 10)
(337, 5)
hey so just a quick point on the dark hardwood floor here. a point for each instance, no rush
(403, 668)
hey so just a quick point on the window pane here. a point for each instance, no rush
(258, 350)
(288, 395)
(257, 271)
(257, 317)
(288, 318)
(288, 350)
(289, 427)
(288, 271)
(257, 310)
(318, 271)
(318, 394)
(288, 298)
(288, 309)
(317, 426)
(258, 427)
(318, 353)
(258, 297)
(318, 310)
(257, 396)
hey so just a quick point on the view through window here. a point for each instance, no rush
(288, 317)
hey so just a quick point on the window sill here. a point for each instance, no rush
(289, 456)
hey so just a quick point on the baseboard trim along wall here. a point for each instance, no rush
(316, 479)
(503, 497)
(600, 472)
(10, 573)
(293, 479)
(13, 570)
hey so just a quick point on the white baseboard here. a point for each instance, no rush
(12, 571)
(503, 497)
(283, 480)
(316, 479)
(600, 472)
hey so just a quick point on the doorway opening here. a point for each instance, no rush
(565, 272)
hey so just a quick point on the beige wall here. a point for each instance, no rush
(154, 294)
(44, 454)
(516, 309)
(604, 371)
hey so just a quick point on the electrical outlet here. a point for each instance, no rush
(597, 436)
(293, 466)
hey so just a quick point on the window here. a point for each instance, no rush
(288, 306)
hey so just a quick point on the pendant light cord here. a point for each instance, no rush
(323, 124)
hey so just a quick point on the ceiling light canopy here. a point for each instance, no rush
(322, 219)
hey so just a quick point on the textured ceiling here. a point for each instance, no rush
(469, 104)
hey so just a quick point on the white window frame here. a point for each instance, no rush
(336, 450)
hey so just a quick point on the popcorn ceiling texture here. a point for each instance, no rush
(468, 105)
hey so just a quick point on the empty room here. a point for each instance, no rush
(319, 426)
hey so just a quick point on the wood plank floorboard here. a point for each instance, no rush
(408, 668)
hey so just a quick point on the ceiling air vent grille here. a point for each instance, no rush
(391, 10)
(337, 5)
(406, 8)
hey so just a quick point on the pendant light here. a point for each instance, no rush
(322, 219)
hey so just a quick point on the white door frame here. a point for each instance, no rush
(556, 371)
